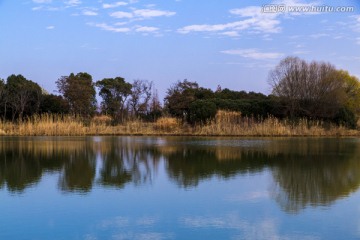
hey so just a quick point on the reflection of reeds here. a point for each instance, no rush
(225, 124)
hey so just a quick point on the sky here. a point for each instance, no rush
(231, 43)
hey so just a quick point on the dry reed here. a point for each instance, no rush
(225, 124)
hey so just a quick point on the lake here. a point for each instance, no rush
(179, 188)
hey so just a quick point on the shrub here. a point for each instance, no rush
(202, 111)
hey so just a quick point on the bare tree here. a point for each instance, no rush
(140, 96)
(309, 89)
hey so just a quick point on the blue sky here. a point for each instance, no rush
(232, 43)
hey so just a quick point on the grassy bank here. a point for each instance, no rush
(225, 124)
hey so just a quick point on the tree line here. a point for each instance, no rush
(300, 89)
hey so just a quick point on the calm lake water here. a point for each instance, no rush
(179, 188)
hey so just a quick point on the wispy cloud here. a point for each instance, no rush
(110, 28)
(142, 14)
(72, 3)
(254, 54)
(149, 13)
(146, 29)
(87, 12)
(121, 14)
(50, 27)
(231, 34)
(252, 19)
(358, 40)
(114, 5)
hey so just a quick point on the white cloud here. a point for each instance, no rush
(149, 13)
(120, 14)
(37, 8)
(142, 13)
(253, 54)
(255, 20)
(72, 3)
(234, 26)
(231, 34)
(50, 27)
(146, 29)
(107, 27)
(114, 5)
(89, 13)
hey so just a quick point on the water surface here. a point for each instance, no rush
(179, 188)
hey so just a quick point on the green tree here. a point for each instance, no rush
(179, 97)
(352, 91)
(114, 92)
(23, 96)
(202, 111)
(80, 92)
(54, 104)
(3, 99)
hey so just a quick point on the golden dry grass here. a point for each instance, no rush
(224, 124)
(233, 124)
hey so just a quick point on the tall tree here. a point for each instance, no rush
(23, 95)
(179, 97)
(140, 96)
(155, 106)
(310, 89)
(114, 92)
(79, 91)
(3, 98)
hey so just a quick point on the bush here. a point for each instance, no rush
(202, 111)
(346, 118)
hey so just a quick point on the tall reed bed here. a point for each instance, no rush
(225, 124)
(233, 124)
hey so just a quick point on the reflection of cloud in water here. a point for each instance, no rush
(266, 229)
(250, 196)
(143, 236)
(147, 221)
(90, 237)
(121, 229)
(117, 222)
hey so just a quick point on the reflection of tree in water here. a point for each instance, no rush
(189, 165)
(23, 161)
(22, 164)
(315, 173)
(18, 169)
(79, 170)
(127, 161)
(306, 172)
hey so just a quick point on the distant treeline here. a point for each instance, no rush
(300, 89)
